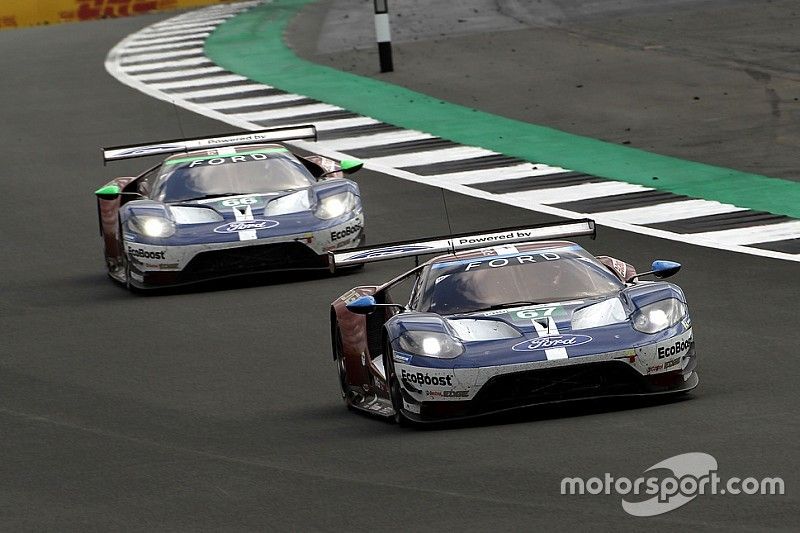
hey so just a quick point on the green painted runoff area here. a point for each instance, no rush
(251, 44)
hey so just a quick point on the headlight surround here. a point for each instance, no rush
(659, 316)
(291, 203)
(430, 344)
(152, 226)
(600, 314)
(335, 205)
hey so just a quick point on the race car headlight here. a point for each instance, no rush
(600, 314)
(659, 316)
(151, 226)
(430, 344)
(335, 205)
(291, 203)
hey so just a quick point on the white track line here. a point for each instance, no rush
(128, 59)
(223, 91)
(165, 64)
(176, 76)
(134, 43)
(654, 214)
(298, 111)
(365, 141)
(254, 101)
(199, 82)
(431, 156)
(488, 175)
(754, 234)
(585, 191)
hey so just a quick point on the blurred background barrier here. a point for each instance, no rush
(21, 13)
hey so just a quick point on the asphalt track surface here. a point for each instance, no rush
(217, 407)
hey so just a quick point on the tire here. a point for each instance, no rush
(395, 394)
(126, 264)
(341, 367)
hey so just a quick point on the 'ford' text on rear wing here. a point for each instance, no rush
(463, 241)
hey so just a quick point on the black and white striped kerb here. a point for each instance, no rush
(167, 61)
(383, 35)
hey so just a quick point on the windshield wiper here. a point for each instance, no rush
(499, 306)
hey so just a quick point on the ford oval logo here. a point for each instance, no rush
(552, 341)
(245, 225)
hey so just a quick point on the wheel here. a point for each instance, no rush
(126, 264)
(395, 393)
(341, 367)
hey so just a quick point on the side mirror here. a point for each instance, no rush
(346, 166)
(665, 269)
(349, 166)
(108, 192)
(660, 269)
(363, 305)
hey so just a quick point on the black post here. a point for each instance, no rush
(383, 35)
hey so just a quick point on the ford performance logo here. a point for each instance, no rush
(390, 250)
(552, 341)
(141, 150)
(245, 225)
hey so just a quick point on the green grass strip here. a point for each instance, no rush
(251, 44)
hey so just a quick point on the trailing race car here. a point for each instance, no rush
(503, 321)
(229, 205)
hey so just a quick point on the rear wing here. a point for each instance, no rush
(288, 133)
(463, 241)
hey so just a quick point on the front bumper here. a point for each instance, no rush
(602, 376)
(154, 266)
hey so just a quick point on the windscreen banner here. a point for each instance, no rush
(22, 13)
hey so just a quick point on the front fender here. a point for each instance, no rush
(414, 321)
(353, 328)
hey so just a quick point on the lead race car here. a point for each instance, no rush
(505, 320)
(228, 205)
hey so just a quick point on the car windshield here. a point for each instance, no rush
(483, 283)
(257, 171)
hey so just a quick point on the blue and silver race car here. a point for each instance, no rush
(505, 320)
(224, 206)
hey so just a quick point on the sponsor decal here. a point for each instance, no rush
(447, 393)
(246, 225)
(390, 250)
(349, 296)
(500, 262)
(670, 364)
(141, 150)
(655, 368)
(216, 159)
(677, 348)
(401, 358)
(529, 313)
(551, 341)
(142, 253)
(346, 232)
(423, 378)
(518, 234)
(686, 321)
(411, 407)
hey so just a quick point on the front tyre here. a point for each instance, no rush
(341, 367)
(395, 392)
